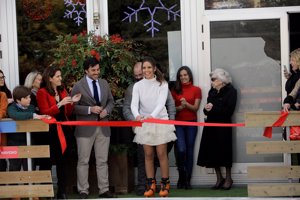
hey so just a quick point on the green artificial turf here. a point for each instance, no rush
(195, 192)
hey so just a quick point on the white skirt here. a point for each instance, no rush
(154, 134)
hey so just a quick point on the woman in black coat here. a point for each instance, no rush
(216, 142)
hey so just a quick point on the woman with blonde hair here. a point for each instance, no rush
(292, 85)
(33, 81)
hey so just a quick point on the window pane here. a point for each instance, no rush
(150, 23)
(231, 4)
(38, 24)
(154, 24)
(250, 52)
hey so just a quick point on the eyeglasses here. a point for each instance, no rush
(2, 77)
(213, 79)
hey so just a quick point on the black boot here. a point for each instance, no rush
(61, 193)
(188, 182)
(181, 180)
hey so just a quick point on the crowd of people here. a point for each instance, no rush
(44, 96)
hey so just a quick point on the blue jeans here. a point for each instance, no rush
(185, 143)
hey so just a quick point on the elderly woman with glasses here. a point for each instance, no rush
(216, 142)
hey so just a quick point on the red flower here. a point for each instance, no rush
(99, 39)
(93, 52)
(62, 62)
(98, 56)
(74, 63)
(83, 33)
(116, 38)
(74, 38)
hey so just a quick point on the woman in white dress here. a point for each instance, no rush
(149, 97)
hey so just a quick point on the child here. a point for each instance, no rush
(20, 109)
(3, 109)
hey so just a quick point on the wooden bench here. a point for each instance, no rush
(269, 173)
(26, 184)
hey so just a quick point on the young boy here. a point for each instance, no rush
(20, 109)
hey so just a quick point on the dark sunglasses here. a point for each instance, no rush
(213, 79)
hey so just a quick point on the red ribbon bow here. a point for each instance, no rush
(279, 122)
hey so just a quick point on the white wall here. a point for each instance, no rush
(9, 46)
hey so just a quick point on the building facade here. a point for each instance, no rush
(250, 39)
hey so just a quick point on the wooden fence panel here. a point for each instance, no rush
(273, 172)
(26, 177)
(17, 191)
(264, 119)
(274, 190)
(37, 151)
(28, 125)
(272, 147)
(267, 119)
(25, 183)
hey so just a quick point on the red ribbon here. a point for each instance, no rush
(279, 122)
(61, 135)
(62, 138)
(185, 123)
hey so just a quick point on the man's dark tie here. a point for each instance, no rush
(96, 95)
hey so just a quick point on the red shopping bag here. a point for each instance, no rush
(295, 133)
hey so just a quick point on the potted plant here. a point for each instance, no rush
(117, 58)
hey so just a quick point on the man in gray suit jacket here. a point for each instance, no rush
(138, 75)
(95, 105)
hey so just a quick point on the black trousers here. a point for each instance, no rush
(17, 139)
(3, 165)
(58, 158)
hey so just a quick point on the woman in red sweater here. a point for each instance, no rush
(53, 100)
(187, 99)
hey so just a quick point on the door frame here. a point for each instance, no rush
(239, 169)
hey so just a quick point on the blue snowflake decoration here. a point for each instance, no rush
(77, 9)
(152, 22)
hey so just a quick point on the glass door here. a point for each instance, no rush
(253, 49)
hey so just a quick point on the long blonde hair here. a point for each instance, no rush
(30, 79)
(296, 54)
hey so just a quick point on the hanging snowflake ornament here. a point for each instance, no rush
(152, 23)
(75, 10)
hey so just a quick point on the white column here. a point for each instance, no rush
(103, 17)
(93, 7)
(191, 32)
(9, 44)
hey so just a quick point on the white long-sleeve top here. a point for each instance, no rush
(149, 98)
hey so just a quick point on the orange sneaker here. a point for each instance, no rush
(164, 187)
(151, 187)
